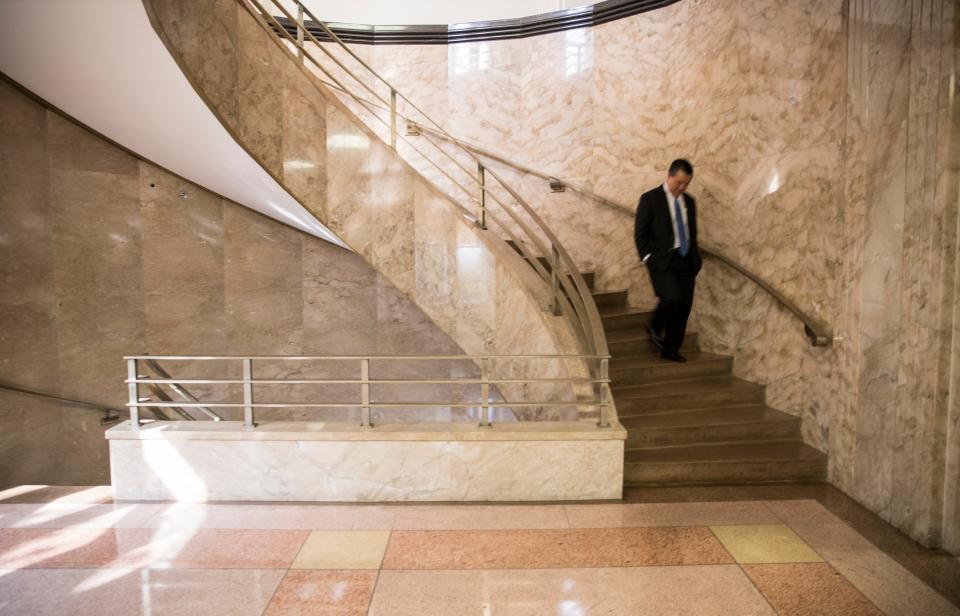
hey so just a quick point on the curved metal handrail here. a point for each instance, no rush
(568, 287)
(815, 331)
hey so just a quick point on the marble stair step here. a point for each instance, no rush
(712, 425)
(617, 318)
(634, 342)
(763, 461)
(652, 369)
(589, 277)
(610, 298)
(687, 394)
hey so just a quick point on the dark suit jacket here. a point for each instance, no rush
(653, 230)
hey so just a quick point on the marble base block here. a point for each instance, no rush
(330, 462)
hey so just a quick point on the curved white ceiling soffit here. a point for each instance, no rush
(101, 62)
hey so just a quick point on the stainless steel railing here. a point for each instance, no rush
(484, 197)
(491, 369)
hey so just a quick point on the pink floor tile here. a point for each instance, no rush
(331, 593)
(77, 515)
(669, 514)
(74, 548)
(809, 589)
(105, 592)
(633, 591)
(532, 549)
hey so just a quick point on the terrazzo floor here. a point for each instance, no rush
(75, 551)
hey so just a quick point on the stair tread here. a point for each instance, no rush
(762, 451)
(706, 384)
(608, 291)
(622, 311)
(713, 416)
(632, 335)
(654, 359)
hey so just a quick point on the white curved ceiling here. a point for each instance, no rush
(101, 62)
(391, 12)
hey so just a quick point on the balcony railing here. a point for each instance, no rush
(487, 379)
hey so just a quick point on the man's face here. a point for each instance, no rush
(678, 182)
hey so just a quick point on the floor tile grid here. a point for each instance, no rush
(753, 580)
(743, 571)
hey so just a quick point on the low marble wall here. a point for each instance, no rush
(324, 462)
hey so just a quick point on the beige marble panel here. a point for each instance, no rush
(204, 36)
(21, 122)
(98, 280)
(304, 142)
(73, 148)
(260, 93)
(263, 285)
(183, 254)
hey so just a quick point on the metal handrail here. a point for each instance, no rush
(599, 387)
(40, 394)
(815, 331)
(566, 283)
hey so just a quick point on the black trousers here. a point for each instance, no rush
(674, 289)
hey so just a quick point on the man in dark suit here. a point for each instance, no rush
(666, 236)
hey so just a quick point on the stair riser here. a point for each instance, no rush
(664, 404)
(639, 348)
(724, 472)
(696, 435)
(604, 300)
(656, 373)
(637, 321)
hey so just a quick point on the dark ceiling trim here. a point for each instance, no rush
(557, 21)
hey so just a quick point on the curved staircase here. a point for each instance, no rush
(695, 422)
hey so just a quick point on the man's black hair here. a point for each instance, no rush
(681, 164)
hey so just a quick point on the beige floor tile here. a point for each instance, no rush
(713, 590)
(765, 543)
(802, 512)
(342, 549)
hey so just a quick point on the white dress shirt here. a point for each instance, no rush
(673, 216)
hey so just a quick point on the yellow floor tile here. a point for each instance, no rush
(342, 549)
(765, 543)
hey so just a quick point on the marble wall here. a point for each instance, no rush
(825, 163)
(100, 257)
(607, 108)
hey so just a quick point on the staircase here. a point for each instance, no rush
(695, 422)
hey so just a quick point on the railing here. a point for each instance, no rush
(815, 331)
(110, 415)
(484, 197)
(489, 366)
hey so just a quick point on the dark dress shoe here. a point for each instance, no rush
(672, 356)
(655, 338)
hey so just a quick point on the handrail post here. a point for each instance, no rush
(393, 118)
(555, 307)
(604, 421)
(248, 423)
(133, 388)
(484, 395)
(300, 32)
(482, 177)
(365, 392)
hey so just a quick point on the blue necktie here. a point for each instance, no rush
(681, 228)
